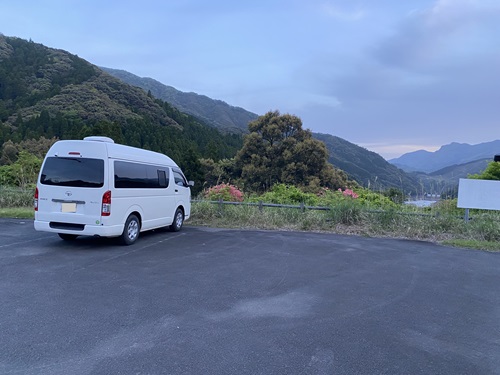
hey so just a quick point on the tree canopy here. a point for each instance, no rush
(279, 150)
(492, 172)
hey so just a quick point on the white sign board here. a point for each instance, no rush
(481, 194)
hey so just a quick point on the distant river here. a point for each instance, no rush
(421, 203)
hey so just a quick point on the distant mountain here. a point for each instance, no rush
(446, 179)
(367, 168)
(213, 112)
(462, 170)
(448, 155)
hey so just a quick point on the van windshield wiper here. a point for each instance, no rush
(74, 159)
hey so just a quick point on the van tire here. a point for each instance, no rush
(178, 220)
(67, 237)
(130, 230)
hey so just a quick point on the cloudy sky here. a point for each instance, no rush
(390, 75)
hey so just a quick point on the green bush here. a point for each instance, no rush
(484, 228)
(386, 219)
(23, 172)
(346, 211)
(287, 194)
(15, 197)
(372, 199)
(492, 172)
(447, 207)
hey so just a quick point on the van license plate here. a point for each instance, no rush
(68, 207)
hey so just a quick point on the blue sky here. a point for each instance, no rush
(390, 75)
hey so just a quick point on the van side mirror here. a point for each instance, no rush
(191, 183)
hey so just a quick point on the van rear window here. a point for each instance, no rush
(75, 172)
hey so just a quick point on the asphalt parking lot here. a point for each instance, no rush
(210, 301)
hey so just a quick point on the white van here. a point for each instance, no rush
(95, 187)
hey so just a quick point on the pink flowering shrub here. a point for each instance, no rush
(226, 192)
(349, 193)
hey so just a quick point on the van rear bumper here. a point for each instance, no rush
(79, 230)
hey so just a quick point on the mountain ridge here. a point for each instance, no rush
(366, 167)
(37, 78)
(213, 112)
(447, 155)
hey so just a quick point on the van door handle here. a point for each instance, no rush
(176, 190)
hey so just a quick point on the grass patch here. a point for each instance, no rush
(229, 216)
(16, 202)
(12, 197)
(472, 244)
(17, 212)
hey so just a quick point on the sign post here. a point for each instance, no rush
(480, 194)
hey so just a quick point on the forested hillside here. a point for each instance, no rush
(52, 93)
(213, 112)
(368, 168)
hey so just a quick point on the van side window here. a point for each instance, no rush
(139, 176)
(179, 178)
(162, 178)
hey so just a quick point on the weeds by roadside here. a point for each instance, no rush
(478, 245)
(11, 197)
(17, 212)
(351, 218)
(441, 223)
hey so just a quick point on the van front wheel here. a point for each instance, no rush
(131, 230)
(178, 221)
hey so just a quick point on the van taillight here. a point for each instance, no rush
(35, 200)
(106, 204)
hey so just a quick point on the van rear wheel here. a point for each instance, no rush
(178, 220)
(67, 237)
(131, 230)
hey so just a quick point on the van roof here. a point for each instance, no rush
(113, 150)
(118, 151)
(99, 139)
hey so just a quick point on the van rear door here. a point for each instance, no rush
(72, 183)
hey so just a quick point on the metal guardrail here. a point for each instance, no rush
(261, 205)
(301, 207)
